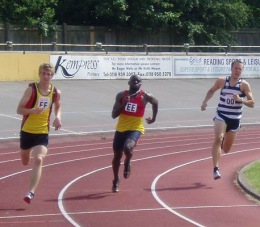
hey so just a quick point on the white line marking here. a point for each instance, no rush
(124, 210)
(175, 208)
(53, 164)
(9, 116)
(154, 193)
(67, 215)
(67, 131)
(60, 197)
(112, 130)
(153, 189)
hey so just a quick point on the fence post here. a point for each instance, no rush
(228, 49)
(9, 45)
(7, 31)
(186, 47)
(54, 46)
(92, 36)
(145, 48)
(64, 35)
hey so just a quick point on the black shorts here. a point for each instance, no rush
(121, 137)
(29, 140)
(232, 124)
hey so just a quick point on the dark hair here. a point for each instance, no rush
(136, 77)
(236, 61)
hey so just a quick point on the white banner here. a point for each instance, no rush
(149, 67)
(207, 66)
(111, 67)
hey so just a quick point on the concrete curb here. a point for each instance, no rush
(244, 184)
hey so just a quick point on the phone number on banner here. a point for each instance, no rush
(142, 74)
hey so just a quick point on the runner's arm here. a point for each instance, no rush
(118, 105)
(57, 111)
(22, 109)
(217, 85)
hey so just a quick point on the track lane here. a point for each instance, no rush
(89, 201)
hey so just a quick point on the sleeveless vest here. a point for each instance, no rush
(39, 123)
(227, 105)
(131, 118)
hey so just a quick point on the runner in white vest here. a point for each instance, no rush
(235, 93)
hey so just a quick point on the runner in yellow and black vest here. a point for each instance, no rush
(36, 108)
(35, 123)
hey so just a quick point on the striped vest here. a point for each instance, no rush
(227, 105)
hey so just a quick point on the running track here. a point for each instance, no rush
(171, 183)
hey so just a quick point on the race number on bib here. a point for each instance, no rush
(230, 99)
(44, 102)
(131, 107)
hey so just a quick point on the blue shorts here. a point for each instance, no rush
(121, 137)
(29, 140)
(232, 124)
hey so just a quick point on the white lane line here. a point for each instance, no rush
(67, 214)
(67, 131)
(155, 156)
(61, 194)
(163, 204)
(10, 116)
(53, 164)
(154, 193)
(97, 156)
(70, 132)
(125, 210)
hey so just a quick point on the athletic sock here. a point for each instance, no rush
(215, 169)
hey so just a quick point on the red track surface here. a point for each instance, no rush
(171, 183)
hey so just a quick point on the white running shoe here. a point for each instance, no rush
(216, 174)
(28, 198)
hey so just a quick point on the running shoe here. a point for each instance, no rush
(216, 174)
(127, 169)
(115, 185)
(28, 198)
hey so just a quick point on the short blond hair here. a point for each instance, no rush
(46, 66)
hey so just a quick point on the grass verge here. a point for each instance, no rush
(252, 175)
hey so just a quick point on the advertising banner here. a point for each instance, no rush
(150, 67)
(207, 66)
(111, 67)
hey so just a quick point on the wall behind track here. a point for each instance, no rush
(19, 66)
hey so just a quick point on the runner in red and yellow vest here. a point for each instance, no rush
(39, 123)
(36, 106)
(129, 107)
(131, 117)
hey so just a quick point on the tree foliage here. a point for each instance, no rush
(192, 21)
(153, 14)
(254, 16)
(30, 13)
(92, 12)
(211, 23)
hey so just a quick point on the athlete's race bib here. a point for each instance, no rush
(229, 99)
(131, 107)
(44, 102)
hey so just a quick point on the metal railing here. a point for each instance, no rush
(186, 48)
